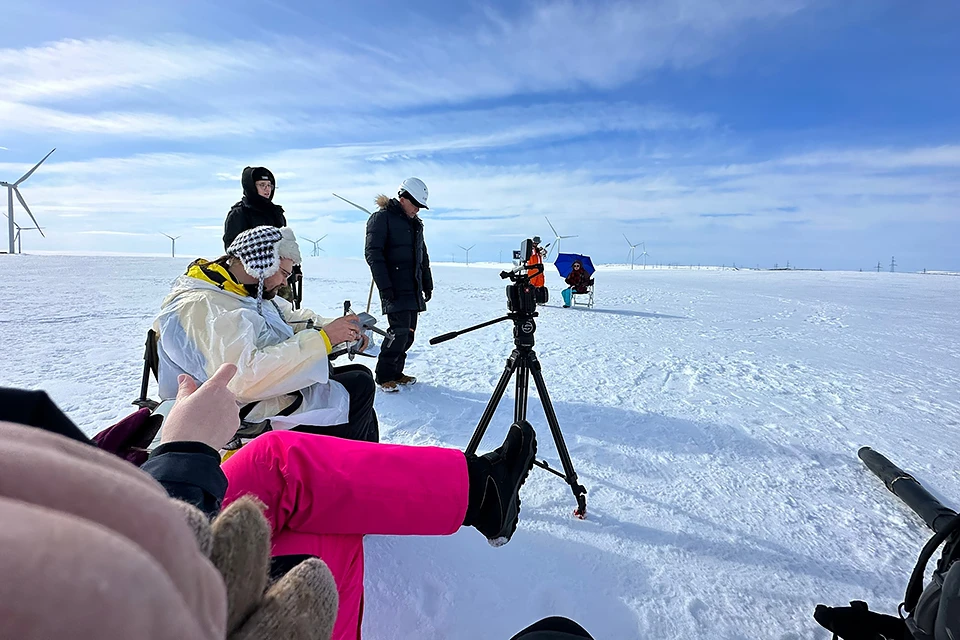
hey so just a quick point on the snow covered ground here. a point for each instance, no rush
(713, 415)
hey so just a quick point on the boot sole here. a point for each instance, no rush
(513, 518)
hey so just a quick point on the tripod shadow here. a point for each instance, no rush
(623, 312)
(627, 460)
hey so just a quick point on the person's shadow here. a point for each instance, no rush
(595, 571)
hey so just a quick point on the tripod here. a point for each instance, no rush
(524, 363)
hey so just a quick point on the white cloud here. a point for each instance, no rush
(549, 47)
(23, 117)
(76, 68)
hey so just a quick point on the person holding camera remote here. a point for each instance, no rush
(228, 311)
(397, 255)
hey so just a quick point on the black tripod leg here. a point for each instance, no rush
(523, 390)
(492, 404)
(579, 491)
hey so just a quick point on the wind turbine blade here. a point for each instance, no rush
(569, 237)
(30, 173)
(354, 204)
(555, 234)
(627, 239)
(471, 247)
(306, 238)
(462, 247)
(24, 203)
(322, 237)
(322, 249)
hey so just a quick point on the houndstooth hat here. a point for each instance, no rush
(260, 250)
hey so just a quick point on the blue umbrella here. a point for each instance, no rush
(564, 263)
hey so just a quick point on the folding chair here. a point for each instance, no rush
(583, 299)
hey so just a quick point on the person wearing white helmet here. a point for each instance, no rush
(398, 259)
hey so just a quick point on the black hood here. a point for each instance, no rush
(249, 181)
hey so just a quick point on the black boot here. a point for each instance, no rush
(495, 481)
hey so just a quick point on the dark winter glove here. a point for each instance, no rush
(427, 295)
(857, 622)
(302, 605)
(388, 295)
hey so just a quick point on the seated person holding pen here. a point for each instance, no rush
(227, 311)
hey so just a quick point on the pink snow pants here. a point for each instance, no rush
(324, 494)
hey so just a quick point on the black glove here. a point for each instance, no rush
(388, 295)
(427, 295)
(857, 622)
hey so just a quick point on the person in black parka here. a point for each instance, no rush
(397, 255)
(256, 208)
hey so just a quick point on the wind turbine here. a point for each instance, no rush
(467, 249)
(19, 238)
(369, 213)
(316, 244)
(12, 189)
(173, 245)
(633, 250)
(644, 254)
(556, 239)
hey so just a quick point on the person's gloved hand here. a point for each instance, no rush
(302, 605)
(427, 295)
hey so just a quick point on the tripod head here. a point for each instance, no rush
(521, 304)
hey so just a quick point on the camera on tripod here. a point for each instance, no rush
(521, 295)
(522, 304)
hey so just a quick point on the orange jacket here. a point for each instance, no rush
(538, 280)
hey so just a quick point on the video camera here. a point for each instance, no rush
(522, 296)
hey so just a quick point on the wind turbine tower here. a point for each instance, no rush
(633, 248)
(467, 249)
(644, 254)
(173, 245)
(556, 238)
(12, 189)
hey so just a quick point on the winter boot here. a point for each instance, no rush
(390, 386)
(495, 481)
(406, 380)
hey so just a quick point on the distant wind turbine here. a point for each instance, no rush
(12, 189)
(633, 248)
(556, 240)
(19, 237)
(643, 245)
(173, 245)
(316, 244)
(467, 249)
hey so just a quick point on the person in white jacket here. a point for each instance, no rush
(227, 311)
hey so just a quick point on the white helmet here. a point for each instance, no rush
(416, 189)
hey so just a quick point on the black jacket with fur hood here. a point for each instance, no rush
(398, 258)
(253, 210)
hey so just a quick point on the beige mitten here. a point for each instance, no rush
(300, 606)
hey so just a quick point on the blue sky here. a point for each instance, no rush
(749, 132)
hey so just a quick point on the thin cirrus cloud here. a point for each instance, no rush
(551, 47)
